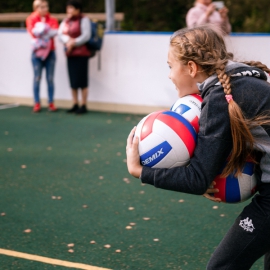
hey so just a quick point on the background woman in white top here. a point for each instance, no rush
(206, 11)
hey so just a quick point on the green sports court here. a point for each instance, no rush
(68, 202)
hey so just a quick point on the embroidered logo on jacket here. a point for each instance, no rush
(247, 225)
(247, 73)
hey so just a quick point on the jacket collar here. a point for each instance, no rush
(234, 69)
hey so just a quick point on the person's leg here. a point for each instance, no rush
(267, 261)
(83, 82)
(37, 67)
(83, 108)
(50, 65)
(75, 98)
(246, 241)
(72, 73)
(84, 95)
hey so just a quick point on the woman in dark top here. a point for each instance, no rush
(74, 32)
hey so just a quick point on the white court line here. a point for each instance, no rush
(8, 106)
(49, 260)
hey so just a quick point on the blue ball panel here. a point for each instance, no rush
(232, 190)
(249, 168)
(156, 154)
(182, 108)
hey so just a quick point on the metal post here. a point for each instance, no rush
(110, 10)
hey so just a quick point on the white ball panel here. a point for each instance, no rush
(151, 141)
(139, 128)
(167, 161)
(180, 149)
(246, 184)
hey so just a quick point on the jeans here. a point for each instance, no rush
(38, 65)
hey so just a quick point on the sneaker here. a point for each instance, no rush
(74, 109)
(52, 108)
(82, 110)
(37, 108)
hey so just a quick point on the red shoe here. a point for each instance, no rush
(37, 108)
(52, 108)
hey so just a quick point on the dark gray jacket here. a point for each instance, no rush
(251, 92)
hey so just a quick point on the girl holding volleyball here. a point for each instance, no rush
(234, 121)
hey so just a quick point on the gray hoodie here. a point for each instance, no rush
(251, 92)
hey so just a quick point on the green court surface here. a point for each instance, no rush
(64, 177)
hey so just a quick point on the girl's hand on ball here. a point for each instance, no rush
(133, 157)
(210, 191)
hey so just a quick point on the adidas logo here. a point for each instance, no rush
(153, 157)
(247, 225)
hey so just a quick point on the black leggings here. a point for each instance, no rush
(247, 240)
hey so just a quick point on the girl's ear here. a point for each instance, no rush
(192, 68)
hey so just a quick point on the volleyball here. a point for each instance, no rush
(166, 140)
(237, 189)
(190, 108)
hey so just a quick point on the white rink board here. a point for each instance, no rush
(134, 68)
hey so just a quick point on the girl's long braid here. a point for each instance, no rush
(258, 65)
(243, 140)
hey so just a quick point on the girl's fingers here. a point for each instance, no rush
(135, 142)
(212, 190)
(211, 198)
(130, 137)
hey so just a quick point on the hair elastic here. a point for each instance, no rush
(228, 98)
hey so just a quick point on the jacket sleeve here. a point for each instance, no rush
(54, 23)
(30, 24)
(85, 32)
(226, 26)
(63, 38)
(214, 144)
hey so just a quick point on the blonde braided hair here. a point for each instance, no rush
(205, 46)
